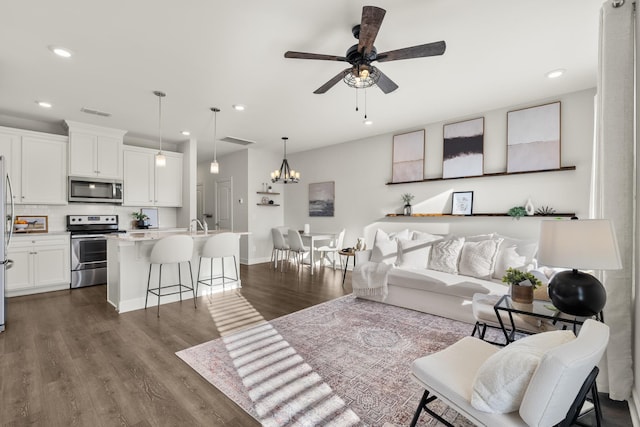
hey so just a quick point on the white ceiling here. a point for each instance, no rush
(206, 53)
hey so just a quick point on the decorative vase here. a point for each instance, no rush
(529, 208)
(407, 210)
(522, 294)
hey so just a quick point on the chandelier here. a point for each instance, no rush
(362, 77)
(285, 174)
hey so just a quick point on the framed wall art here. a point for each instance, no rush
(533, 138)
(321, 198)
(462, 203)
(463, 149)
(31, 224)
(408, 157)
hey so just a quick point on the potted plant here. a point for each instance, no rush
(517, 212)
(407, 198)
(522, 285)
(141, 219)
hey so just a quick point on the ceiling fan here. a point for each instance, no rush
(362, 74)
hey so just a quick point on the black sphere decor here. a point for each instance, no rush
(577, 293)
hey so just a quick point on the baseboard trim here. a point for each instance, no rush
(634, 404)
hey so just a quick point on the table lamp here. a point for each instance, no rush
(588, 244)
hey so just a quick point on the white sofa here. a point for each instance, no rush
(419, 280)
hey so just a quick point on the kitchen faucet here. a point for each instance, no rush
(199, 224)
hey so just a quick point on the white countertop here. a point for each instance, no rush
(144, 235)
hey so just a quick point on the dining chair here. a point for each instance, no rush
(280, 247)
(296, 247)
(333, 250)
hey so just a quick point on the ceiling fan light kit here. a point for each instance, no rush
(285, 174)
(362, 74)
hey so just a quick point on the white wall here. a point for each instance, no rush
(361, 169)
(189, 150)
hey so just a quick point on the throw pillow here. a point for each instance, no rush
(413, 253)
(421, 235)
(514, 253)
(385, 248)
(503, 378)
(477, 259)
(445, 254)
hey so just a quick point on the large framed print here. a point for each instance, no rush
(321, 198)
(462, 203)
(463, 149)
(408, 157)
(533, 138)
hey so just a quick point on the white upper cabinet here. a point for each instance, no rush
(148, 185)
(36, 164)
(95, 151)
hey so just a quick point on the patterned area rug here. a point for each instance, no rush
(345, 362)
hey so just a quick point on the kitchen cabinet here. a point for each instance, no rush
(148, 185)
(37, 165)
(41, 263)
(95, 151)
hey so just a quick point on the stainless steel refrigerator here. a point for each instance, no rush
(6, 230)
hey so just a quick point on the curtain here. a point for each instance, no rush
(613, 191)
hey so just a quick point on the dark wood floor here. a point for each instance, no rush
(68, 359)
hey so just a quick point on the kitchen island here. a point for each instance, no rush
(128, 268)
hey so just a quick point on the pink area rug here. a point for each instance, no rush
(345, 362)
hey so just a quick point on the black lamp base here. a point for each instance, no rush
(577, 293)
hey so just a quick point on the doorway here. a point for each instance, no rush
(224, 204)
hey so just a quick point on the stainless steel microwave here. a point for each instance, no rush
(95, 190)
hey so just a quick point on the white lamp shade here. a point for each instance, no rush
(161, 160)
(214, 168)
(587, 244)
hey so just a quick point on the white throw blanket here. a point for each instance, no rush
(370, 279)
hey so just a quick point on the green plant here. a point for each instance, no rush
(139, 216)
(407, 198)
(514, 276)
(517, 212)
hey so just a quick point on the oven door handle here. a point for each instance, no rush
(88, 236)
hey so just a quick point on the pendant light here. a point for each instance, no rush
(285, 174)
(215, 167)
(161, 160)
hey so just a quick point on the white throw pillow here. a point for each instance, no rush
(413, 253)
(421, 235)
(478, 258)
(385, 248)
(444, 255)
(514, 253)
(503, 378)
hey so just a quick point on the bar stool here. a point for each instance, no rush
(219, 246)
(170, 250)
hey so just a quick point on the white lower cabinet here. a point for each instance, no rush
(41, 263)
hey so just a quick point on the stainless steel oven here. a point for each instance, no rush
(89, 248)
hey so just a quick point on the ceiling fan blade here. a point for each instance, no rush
(385, 83)
(369, 26)
(331, 83)
(421, 51)
(304, 55)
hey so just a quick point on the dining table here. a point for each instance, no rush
(310, 239)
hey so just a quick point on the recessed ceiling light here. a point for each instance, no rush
(555, 73)
(238, 107)
(44, 104)
(61, 51)
(185, 133)
(368, 122)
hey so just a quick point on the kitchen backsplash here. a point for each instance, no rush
(58, 214)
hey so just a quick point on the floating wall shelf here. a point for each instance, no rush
(436, 215)
(267, 204)
(564, 168)
(266, 192)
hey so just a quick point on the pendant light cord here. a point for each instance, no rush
(215, 132)
(160, 120)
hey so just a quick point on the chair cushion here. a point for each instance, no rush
(502, 380)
